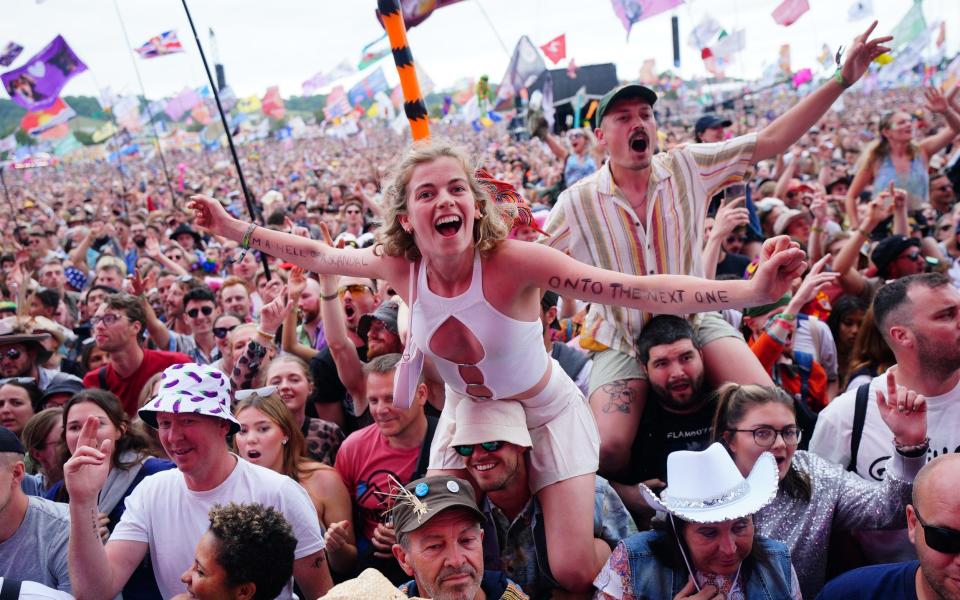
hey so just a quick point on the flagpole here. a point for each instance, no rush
(6, 192)
(153, 126)
(492, 28)
(112, 117)
(226, 128)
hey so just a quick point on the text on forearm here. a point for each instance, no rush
(620, 291)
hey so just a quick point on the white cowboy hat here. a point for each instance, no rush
(707, 487)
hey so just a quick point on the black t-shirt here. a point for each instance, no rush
(733, 264)
(328, 389)
(662, 432)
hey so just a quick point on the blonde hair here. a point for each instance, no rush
(879, 148)
(489, 228)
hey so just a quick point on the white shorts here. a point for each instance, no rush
(566, 441)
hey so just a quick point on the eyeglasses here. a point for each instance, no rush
(221, 332)
(263, 392)
(20, 380)
(941, 539)
(12, 353)
(467, 450)
(354, 289)
(107, 319)
(206, 310)
(766, 436)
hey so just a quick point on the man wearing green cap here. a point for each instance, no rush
(440, 542)
(643, 213)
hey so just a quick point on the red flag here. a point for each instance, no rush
(789, 11)
(572, 69)
(556, 49)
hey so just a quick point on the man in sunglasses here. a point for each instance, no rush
(200, 310)
(22, 353)
(493, 439)
(942, 194)
(933, 524)
(919, 319)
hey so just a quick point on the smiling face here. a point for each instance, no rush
(744, 447)
(193, 442)
(899, 128)
(293, 385)
(441, 208)
(496, 470)
(629, 133)
(719, 548)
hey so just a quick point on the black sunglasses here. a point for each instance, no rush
(12, 354)
(488, 446)
(221, 332)
(206, 310)
(941, 539)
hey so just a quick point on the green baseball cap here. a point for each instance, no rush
(421, 500)
(625, 92)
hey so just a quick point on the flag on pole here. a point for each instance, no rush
(789, 11)
(181, 103)
(632, 11)
(367, 88)
(860, 9)
(322, 80)
(704, 33)
(37, 84)
(784, 61)
(373, 52)
(556, 49)
(337, 104)
(10, 53)
(417, 11)
(647, 74)
(9, 143)
(272, 103)
(160, 45)
(249, 104)
(104, 132)
(36, 122)
(911, 26)
(525, 66)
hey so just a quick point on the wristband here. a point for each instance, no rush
(816, 229)
(913, 451)
(329, 297)
(838, 77)
(263, 333)
(245, 242)
(787, 316)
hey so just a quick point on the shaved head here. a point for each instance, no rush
(937, 480)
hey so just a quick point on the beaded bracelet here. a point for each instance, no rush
(245, 241)
(913, 451)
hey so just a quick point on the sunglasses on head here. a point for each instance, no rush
(263, 392)
(354, 289)
(467, 450)
(941, 539)
(20, 380)
(206, 310)
(221, 332)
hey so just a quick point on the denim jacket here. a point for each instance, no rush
(770, 578)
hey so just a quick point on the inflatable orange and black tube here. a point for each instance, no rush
(413, 104)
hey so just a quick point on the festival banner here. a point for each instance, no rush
(67, 145)
(181, 103)
(525, 66)
(160, 45)
(10, 53)
(556, 49)
(367, 87)
(911, 26)
(337, 104)
(322, 80)
(417, 11)
(703, 34)
(104, 132)
(8, 143)
(36, 122)
(632, 11)
(373, 52)
(272, 103)
(789, 11)
(37, 84)
(250, 104)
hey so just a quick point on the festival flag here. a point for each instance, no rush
(337, 104)
(126, 112)
(426, 83)
(10, 53)
(249, 104)
(104, 132)
(417, 11)
(366, 88)
(67, 145)
(556, 49)
(272, 103)
(704, 33)
(373, 52)
(729, 44)
(201, 114)
(860, 9)
(647, 74)
(909, 28)
(572, 69)
(36, 122)
(322, 80)
(784, 60)
(37, 84)
(549, 110)
(825, 57)
(160, 45)
(632, 11)
(801, 77)
(181, 103)
(9, 143)
(789, 11)
(525, 66)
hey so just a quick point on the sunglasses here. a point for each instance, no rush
(263, 392)
(355, 289)
(221, 332)
(206, 310)
(20, 380)
(107, 319)
(941, 539)
(488, 446)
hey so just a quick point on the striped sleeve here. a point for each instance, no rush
(557, 227)
(724, 163)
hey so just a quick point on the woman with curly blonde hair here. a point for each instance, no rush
(475, 306)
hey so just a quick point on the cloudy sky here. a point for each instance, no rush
(284, 42)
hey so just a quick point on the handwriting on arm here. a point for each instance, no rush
(296, 251)
(619, 292)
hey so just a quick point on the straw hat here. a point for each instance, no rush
(369, 585)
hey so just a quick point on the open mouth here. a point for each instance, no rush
(448, 226)
(638, 142)
(181, 453)
(349, 310)
(253, 454)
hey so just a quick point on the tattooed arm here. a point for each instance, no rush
(312, 574)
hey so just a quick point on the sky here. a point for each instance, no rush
(285, 42)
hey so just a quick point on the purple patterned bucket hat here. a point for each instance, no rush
(191, 388)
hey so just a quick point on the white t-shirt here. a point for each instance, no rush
(31, 590)
(831, 440)
(163, 513)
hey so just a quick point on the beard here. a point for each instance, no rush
(673, 402)
(940, 360)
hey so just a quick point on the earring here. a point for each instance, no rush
(284, 442)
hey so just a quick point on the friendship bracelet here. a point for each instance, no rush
(838, 77)
(245, 240)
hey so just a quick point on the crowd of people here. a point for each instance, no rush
(656, 357)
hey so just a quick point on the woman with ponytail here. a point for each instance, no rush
(816, 496)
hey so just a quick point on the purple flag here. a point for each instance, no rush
(10, 53)
(631, 11)
(37, 84)
(181, 103)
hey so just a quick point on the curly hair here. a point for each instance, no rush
(488, 230)
(245, 534)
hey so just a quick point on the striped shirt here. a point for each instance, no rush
(594, 223)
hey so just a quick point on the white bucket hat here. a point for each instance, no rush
(191, 388)
(486, 421)
(707, 487)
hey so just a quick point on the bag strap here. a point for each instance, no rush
(10, 590)
(859, 418)
(412, 287)
(102, 378)
(423, 459)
